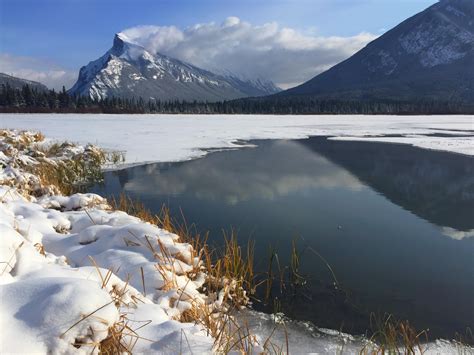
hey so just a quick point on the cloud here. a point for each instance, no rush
(284, 55)
(49, 74)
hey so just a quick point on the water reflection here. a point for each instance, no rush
(252, 175)
(395, 222)
(455, 234)
(436, 186)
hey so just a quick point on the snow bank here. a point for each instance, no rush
(37, 313)
(306, 338)
(70, 270)
(165, 138)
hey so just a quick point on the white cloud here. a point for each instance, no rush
(284, 55)
(34, 69)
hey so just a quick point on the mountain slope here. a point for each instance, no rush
(128, 70)
(18, 83)
(428, 56)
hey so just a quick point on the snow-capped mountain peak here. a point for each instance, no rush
(129, 70)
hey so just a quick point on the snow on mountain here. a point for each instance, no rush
(129, 70)
(446, 37)
(428, 56)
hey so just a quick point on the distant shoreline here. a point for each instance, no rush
(31, 100)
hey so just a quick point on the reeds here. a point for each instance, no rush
(133, 208)
(462, 342)
(121, 338)
(229, 277)
(230, 270)
(60, 167)
(72, 174)
(391, 336)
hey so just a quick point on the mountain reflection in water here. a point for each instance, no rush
(394, 222)
(436, 186)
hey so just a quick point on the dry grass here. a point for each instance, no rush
(68, 176)
(231, 336)
(464, 341)
(22, 139)
(133, 208)
(391, 336)
(229, 269)
(52, 150)
(60, 167)
(229, 278)
(121, 337)
(73, 174)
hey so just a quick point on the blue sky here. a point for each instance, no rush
(65, 34)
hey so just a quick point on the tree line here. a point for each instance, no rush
(32, 100)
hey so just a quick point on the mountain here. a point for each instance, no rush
(430, 56)
(128, 70)
(17, 83)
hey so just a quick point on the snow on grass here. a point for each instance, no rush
(164, 138)
(70, 270)
(305, 338)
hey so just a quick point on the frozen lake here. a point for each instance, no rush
(165, 138)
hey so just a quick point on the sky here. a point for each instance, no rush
(286, 41)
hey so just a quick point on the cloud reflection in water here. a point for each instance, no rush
(251, 174)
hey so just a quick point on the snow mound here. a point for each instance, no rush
(71, 268)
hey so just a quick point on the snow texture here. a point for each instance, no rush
(56, 252)
(166, 138)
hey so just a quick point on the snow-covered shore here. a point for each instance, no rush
(71, 269)
(74, 274)
(167, 138)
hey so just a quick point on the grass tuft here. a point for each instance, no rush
(133, 208)
(121, 339)
(73, 174)
(228, 271)
(392, 336)
(54, 167)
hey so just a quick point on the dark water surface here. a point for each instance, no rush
(396, 223)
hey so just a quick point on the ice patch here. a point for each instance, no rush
(168, 138)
